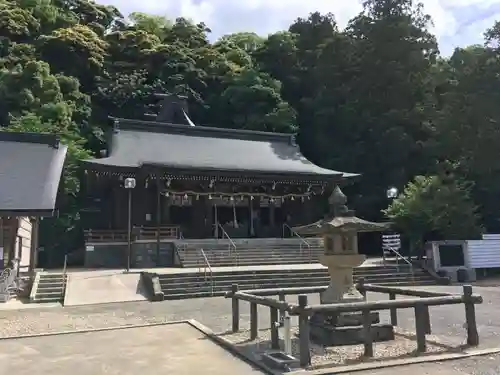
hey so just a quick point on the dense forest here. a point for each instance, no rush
(375, 98)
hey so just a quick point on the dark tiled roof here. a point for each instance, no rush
(30, 170)
(138, 143)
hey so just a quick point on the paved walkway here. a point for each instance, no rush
(370, 262)
(87, 289)
(176, 349)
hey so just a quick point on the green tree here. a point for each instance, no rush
(435, 207)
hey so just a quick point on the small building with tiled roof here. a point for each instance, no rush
(31, 165)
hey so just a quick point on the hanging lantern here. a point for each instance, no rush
(231, 198)
(302, 199)
(292, 198)
(197, 196)
(185, 197)
(167, 194)
(210, 196)
(251, 197)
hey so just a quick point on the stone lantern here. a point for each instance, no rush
(340, 236)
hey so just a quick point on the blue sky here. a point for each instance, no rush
(456, 22)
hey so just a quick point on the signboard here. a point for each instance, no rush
(391, 242)
(89, 248)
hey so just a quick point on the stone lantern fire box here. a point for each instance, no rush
(340, 236)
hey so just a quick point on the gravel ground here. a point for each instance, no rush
(483, 365)
(404, 345)
(447, 321)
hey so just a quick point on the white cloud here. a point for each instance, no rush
(266, 16)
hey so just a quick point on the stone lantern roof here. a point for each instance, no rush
(340, 219)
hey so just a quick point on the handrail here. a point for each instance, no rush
(302, 240)
(232, 245)
(207, 264)
(399, 256)
(65, 271)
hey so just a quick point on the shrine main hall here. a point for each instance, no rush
(195, 182)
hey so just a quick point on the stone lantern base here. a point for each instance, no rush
(344, 328)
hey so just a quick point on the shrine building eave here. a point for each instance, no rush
(174, 148)
(31, 166)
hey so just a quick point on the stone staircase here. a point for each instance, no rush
(200, 284)
(249, 251)
(48, 287)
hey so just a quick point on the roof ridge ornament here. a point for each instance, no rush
(173, 109)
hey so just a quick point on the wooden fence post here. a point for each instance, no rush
(360, 287)
(305, 355)
(282, 298)
(420, 327)
(394, 311)
(254, 321)
(235, 308)
(275, 343)
(470, 317)
(427, 320)
(367, 334)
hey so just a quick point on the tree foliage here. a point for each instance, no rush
(434, 208)
(375, 98)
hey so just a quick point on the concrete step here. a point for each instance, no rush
(50, 288)
(256, 284)
(205, 291)
(224, 277)
(358, 272)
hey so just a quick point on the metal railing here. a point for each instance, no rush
(64, 276)
(231, 245)
(209, 267)
(398, 257)
(303, 242)
(141, 233)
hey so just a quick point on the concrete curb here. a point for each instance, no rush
(91, 330)
(398, 362)
(226, 344)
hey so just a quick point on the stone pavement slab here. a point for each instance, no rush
(88, 289)
(177, 349)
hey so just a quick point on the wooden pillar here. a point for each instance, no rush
(307, 211)
(275, 342)
(198, 216)
(304, 350)
(254, 321)
(367, 334)
(272, 216)
(235, 309)
(209, 217)
(470, 317)
(158, 220)
(2, 242)
(35, 225)
(394, 311)
(420, 327)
